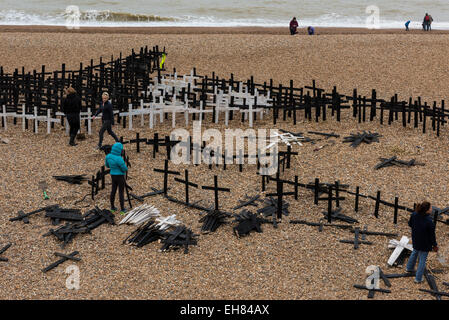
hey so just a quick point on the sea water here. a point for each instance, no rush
(265, 13)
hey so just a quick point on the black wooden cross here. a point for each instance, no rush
(138, 141)
(3, 250)
(356, 240)
(166, 173)
(64, 258)
(187, 184)
(216, 189)
(286, 155)
(279, 194)
(156, 142)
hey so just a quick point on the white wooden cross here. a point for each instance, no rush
(399, 247)
(250, 113)
(286, 138)
(46, 118)
(87, 116)
(165, 223)
(199, 111)
(6, 114)
(23, 116)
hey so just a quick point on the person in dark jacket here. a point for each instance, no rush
(311, 30)
(293, 26)
(71, 105)
(118, 167)
(423, 239)
(107, 118)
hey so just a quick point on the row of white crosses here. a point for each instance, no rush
(25, 116)
(87, 115)
(173, 86)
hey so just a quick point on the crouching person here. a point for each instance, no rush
(423, 238)
(118, 167)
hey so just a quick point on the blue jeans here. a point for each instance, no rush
(422, 257)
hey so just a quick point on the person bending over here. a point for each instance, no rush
(107, 118)
(118, 167)
(71, 105)
(311, 30)
(293, 26)
(423, 239)
(406, 25)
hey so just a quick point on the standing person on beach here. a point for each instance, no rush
(430, 22)
(423, 238)
(293, 26)
(71, 106)
(107, 118)
(426, 22)
(118, 167)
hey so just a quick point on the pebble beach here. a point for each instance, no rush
(290, 262)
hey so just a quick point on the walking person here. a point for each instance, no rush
(423, 239)
(293, 26)
(118, 167)
(71, 106)
(107, 118)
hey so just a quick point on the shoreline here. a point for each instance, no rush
(209, 30)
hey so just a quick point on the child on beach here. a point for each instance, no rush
(293, 26)
(118, 167)
(311, 30)
(423, 239)
(406, 25)
(107, 118)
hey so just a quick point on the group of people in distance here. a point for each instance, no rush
(426, 25)
(294, 27)
(71, 105)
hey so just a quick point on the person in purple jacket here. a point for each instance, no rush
(423, 239)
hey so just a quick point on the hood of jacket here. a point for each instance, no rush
(117, 149)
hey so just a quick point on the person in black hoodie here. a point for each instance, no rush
(423, 238)
(71, 106)
(107, 118)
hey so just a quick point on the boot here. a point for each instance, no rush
(72, 140)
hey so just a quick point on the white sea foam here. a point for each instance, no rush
(214, 13)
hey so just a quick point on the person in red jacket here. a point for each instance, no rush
(293, 26)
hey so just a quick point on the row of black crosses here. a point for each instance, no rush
(333, 192)
(123, 77)
(126, 78)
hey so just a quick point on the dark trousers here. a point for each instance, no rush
(74, 123)
(293, 31)
(118, 181)
(107, 126)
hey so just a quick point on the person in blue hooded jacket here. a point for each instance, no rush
(423, 238)
(118, 167)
